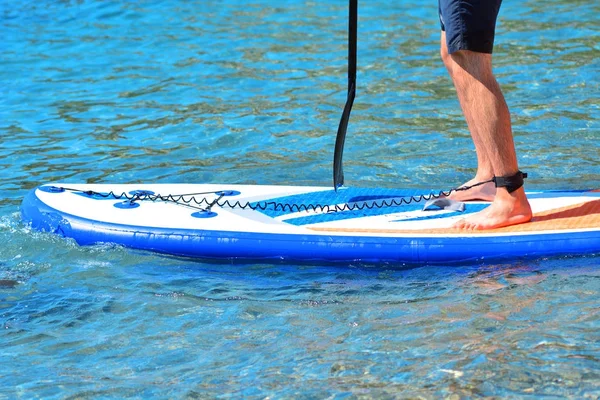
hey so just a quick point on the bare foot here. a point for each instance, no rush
(485, 192)
(507, 209)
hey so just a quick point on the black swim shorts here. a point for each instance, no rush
(469, 24)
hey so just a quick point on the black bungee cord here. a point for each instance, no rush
(201, 202)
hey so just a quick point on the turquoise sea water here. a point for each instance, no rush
(252, 92)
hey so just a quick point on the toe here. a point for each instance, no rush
(460, 224)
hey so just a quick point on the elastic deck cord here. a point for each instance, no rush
(193, 200)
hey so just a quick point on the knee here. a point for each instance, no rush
(446, 58)
(455, 62)
(476, 65)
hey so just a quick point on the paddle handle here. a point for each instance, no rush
(338, 170)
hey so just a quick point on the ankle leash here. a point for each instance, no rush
(510, 182)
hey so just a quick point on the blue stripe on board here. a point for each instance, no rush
(343, 215)
(378, 195)
(344, 196)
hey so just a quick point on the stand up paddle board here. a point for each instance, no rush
(306, 223)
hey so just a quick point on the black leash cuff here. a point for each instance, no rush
(512, 182)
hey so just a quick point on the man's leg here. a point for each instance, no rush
(488, 118)
(485, 172)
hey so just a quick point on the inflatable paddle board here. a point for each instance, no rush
(295, 223)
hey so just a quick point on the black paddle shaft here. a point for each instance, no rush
(338, 170)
